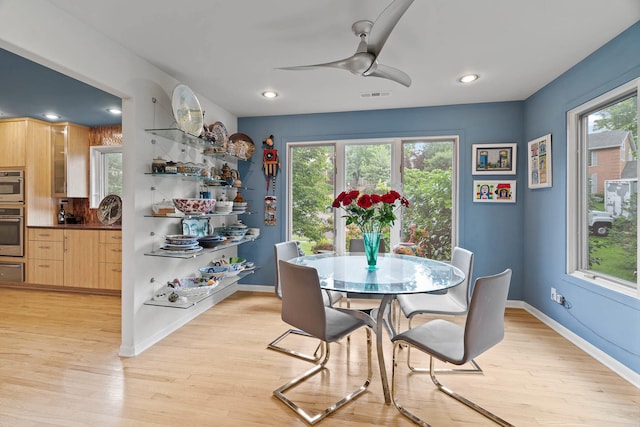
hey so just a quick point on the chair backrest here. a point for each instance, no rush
(357, 245)
(302, 303)
(462, 259)
(285, 251)
(484, 327)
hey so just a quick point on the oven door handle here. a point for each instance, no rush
(5, 219)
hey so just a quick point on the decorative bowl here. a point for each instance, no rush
(224, 207)
(182, 239)
(211, 241)
(236, 234)
(194, 206)
(214, 272)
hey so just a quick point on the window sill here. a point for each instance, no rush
(607, 284)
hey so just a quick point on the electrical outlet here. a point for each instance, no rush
(553, 294)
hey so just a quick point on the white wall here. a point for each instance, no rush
(40, 32)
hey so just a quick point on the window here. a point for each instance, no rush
(602, 190)
(414, 166)
(106, 172)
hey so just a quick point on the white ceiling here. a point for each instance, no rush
(228, 51)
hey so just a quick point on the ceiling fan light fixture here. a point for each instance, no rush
(468, 78)
(270, 94)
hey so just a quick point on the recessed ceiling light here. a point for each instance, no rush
(51, 116)
(114, 110)
(269, 94)
(468, 78)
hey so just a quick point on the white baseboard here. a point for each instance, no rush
(256, 288)
(623, 371)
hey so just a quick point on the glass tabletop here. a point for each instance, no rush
(395, 274)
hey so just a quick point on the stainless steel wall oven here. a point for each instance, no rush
(11, 186)
(11, 230)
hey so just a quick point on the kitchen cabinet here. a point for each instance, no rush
(41, 207)
(110, 260)
(75, 258)
(45, 249)
(81, 258)
(13, 142)
(70, 145)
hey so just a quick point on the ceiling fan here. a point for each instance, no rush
(372, 38)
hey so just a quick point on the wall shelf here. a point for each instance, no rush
(181, 137)
(204, 251)
(192, 301)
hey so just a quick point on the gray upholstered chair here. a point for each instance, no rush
(286, 251)
(454, 302)
(303, 308)
(357, 245)
(452, 343)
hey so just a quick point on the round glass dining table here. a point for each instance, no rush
(393, 275)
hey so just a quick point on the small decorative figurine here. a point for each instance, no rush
(270, 161)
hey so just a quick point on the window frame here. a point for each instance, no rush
(97, 170)
(577, 203)
(397, 182)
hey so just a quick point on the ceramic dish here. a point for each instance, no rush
(186, 110)
(194, 206)
(198, 227)
(174, 251)
(170, 247)
(221, 135)
(181, 239)
(110, 209)
(243, 146)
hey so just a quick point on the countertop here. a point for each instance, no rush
(81, 226)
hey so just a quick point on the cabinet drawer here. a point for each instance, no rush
(111, 253)
(44, 250)
(109, 236)
(110, 275)
(45, 272)
(45, 234)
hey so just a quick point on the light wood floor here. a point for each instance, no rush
(59, 367)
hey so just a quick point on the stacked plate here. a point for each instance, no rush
(182, 243)
(239, 207)
(223, 207)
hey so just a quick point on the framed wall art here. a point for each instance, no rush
(494, 191)
(494, 159)
(539, 162)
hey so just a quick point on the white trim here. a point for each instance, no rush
(618, 368)
(96, 171)
(576, 248)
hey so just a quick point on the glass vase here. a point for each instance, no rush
(371, 245)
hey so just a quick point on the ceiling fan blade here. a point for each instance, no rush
(386, 72)
(357, 64)
(385, 24)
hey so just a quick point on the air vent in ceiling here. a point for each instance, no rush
(376, 94)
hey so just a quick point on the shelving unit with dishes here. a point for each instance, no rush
(195, 289)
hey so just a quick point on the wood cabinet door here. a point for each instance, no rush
(40, 203)
(81, 258)
(13, 137)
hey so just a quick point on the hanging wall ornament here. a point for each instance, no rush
(270, 205)
(270, 161)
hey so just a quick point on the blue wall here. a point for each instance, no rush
(532, 229)
(606, 319)
(481, 225)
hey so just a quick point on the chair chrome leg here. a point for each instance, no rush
(466, 401)
(446, 390)
(318, 354)
(396, 403)
(313, 419)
